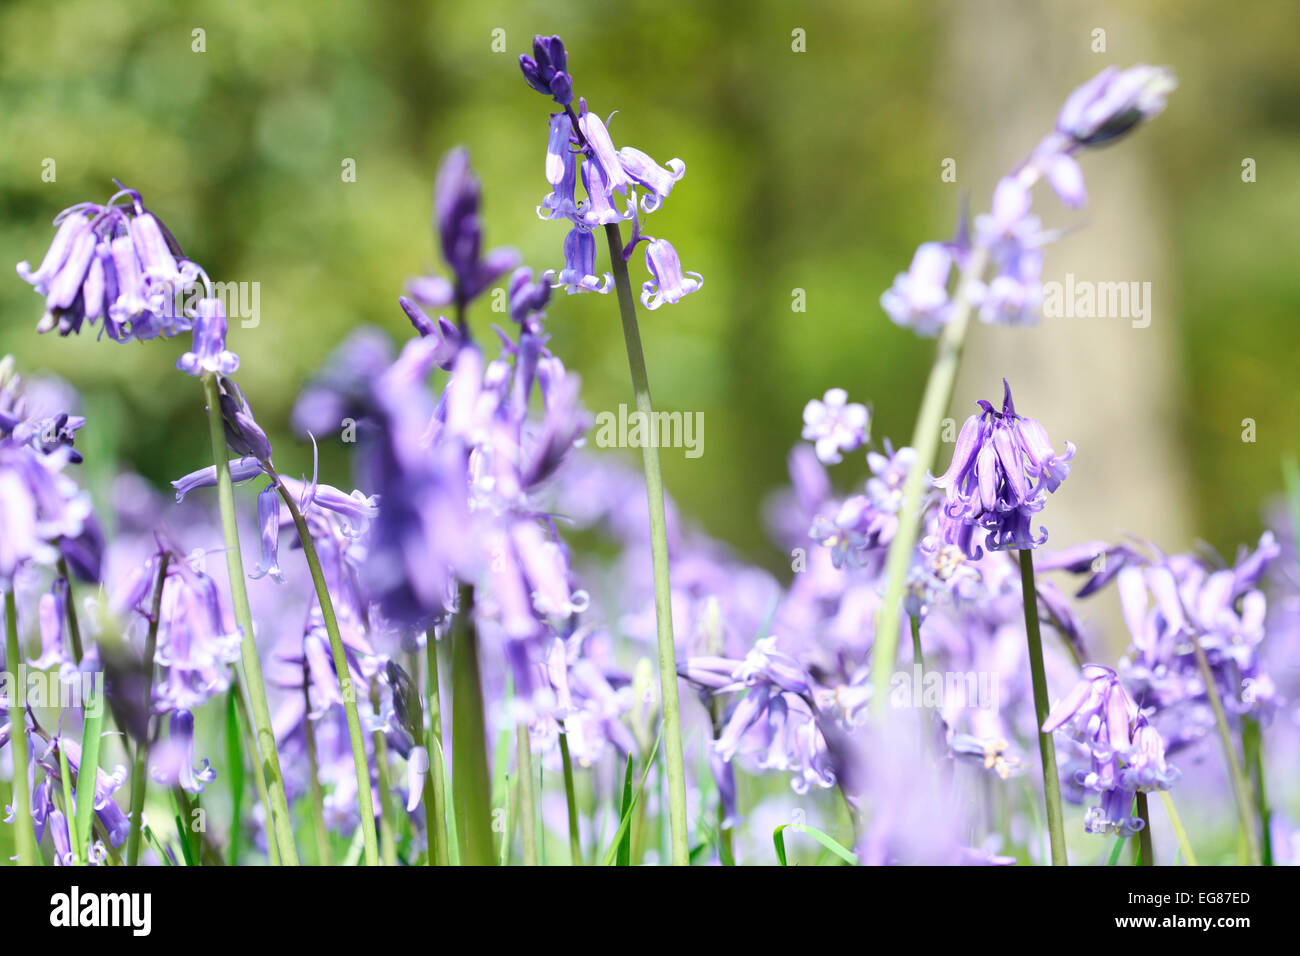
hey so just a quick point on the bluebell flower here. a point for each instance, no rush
(918, 298)
(116, 263)
(1114, 102)
(209, 354)
(545, 69)
(579, 272)
(835, 425)
(1002, 469)
(669, 284)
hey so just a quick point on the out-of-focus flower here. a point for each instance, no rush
(456, 200)
(835, 425)
(1114, 102)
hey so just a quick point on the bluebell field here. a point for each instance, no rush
(483, 638)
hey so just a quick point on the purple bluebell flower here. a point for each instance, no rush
(1002, 469)
(117, 263)
(1009, 239)
(456, 200)
(209, 355)
(171, 761)
(1114, 102)
(670, 283)
(864, 525)
(52, 615)
(583, 138)
(1122, 753)
(241, 470)
(338, 391)
(579, 272)
(918, 298)
(545, 69)
(109, 814)
(244, 436)
(268, 523)
(196, 643)
(835, 425)
(38, 506)
(657, 180)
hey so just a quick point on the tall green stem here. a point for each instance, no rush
(471, 781)
(1046, 747)
(435, 784)
(1240, 786)
(268, 758)
(24, 834)
(654, 485)
(313, 767)
(527, 796)
(570, 799)
(387, 836)
(925, 441)
(70, 611)
(1252, 743)
(1144, 835)
(140, 774)
(365, 800)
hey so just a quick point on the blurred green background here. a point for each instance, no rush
(816, 171)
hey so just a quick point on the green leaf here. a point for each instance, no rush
(235, 774)
(624, 857)
(1119, 848)
(829, 842)
(625, 821)
(453, 841)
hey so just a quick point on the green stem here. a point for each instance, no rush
(25, 834)
(570, 799)
(268, 759)
(259, 779)
(1240, 786)
(925, 440)
(471, 781)
(1144, 835)
(70, 610)
(435, 784)
(140, 774)
(654, 485)
(313, 767)
(1252, 741)
(65, 773)
(527, 797)
(1177, 822)
(88, 773)
(387, 840)
(365, 800)
(1046, 746)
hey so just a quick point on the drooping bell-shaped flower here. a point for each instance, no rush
(579, 272)
(1002, 469)
(670, 283)
(209, 354)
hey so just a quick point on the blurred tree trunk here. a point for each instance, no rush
(1100, 382)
